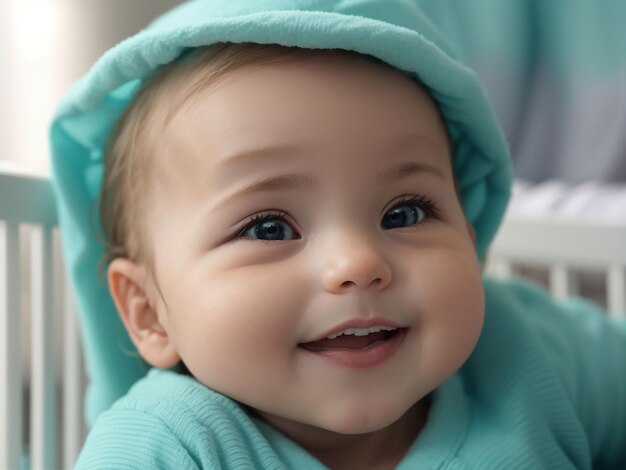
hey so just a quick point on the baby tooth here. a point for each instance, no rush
(360, 331)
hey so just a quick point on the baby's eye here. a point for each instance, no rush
(270, 227)
(409, 212)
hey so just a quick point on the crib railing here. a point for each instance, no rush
(36, 381)
(570, 250)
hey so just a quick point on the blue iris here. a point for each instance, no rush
(270, 229)
(403, 216)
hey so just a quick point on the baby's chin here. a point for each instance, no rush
(346, 420)
(372, 419)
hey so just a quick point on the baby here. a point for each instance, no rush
(297, 242)
(291, 247)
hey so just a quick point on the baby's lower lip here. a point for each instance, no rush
(369, 356)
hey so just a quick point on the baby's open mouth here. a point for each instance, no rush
(358, 345)
(353, 339)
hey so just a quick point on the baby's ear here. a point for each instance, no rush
(134, 295)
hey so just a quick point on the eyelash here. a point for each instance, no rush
(263, 216)
(424, 203)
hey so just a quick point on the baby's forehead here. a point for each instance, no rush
(302, 105)
(268, 104)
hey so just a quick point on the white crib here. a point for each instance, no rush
(41, 370)
(30, 262)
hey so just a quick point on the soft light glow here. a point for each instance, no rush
(33, 65)
(34, 26)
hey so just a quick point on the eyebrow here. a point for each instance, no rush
(407, 169)
(298, 181)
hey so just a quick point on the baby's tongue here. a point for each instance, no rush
(345, 342)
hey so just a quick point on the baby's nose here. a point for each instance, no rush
(355, 264)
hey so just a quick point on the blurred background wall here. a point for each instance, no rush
(45, 46)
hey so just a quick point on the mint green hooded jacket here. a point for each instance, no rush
(544, 388)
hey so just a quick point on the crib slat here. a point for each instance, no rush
(563, 283)
(616, 291)
(10, 357)
(42, 380)
(72, 381)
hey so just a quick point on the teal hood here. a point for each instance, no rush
(394, 31)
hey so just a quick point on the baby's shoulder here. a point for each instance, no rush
(167, 420)
(564, 357)
(571, 340)
(165, 393)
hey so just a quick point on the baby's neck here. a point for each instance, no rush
(383, 449)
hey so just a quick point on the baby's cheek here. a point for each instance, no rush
(460, 290)
(452, 312)
(242, 324)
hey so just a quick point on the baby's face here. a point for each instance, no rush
(298, 201)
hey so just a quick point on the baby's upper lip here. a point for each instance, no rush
(362, 322)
